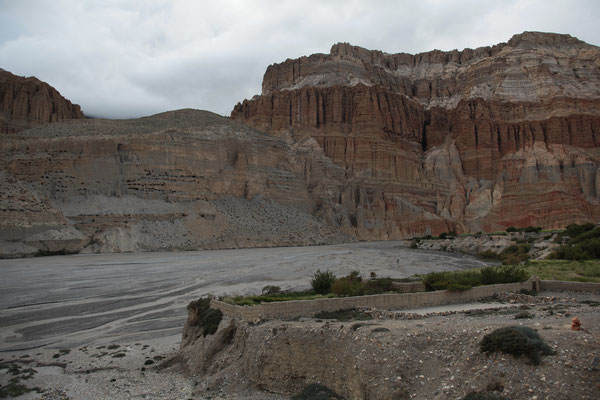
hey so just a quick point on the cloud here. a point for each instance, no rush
(123, 59)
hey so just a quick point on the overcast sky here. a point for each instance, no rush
(130, 58)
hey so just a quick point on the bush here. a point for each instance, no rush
(322, 281)
(460, 280)
(511, 229)
(378, 285)
(517, 341)
(443, 235)
(574, 230)
(489, 254)
(270, 289)
(536, 229)
(204, 317)
(583, 245)
(414, 244)
(515, 254)
(458, 287)
(350, 285)
(503, 274)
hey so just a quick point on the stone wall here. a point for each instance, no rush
(395, 301)
(575, 286)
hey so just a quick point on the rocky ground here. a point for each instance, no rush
(541, 244)
(400, 355)
(422, 354)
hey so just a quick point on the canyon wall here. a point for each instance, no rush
(472, 140)
(351, 145)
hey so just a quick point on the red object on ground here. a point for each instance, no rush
(575, 324)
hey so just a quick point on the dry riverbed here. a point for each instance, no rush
(436, 348)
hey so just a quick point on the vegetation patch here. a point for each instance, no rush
(205, 317)
(269, 298)
(14, 387)
(322, 281)
(565, 270)
(316, 391)
(517, 341)
(462, 280)
(515, 254)
(583, 244)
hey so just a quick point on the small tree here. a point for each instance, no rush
(322, 281)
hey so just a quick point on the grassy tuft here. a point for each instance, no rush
(565, 270)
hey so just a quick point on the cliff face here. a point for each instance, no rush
(28, 102)
(180, 180)
(468, 140)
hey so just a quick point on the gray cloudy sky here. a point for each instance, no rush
(130, 58)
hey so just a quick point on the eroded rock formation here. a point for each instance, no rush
(472, 140)
(28, 102)
(182, 180)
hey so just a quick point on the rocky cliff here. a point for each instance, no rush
(180, 180)
(466, 140)
(29, 102)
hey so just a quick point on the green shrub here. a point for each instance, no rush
(503, 274)
(517, 341)
(462, 280)
(583, 245)
(574, 230)
(378, 285)
(536, 229)
(270, 289)
(489, 254)
(515, 254)
(204, 317)
(443, 235)
(316, 391)
(458, 279)
(511, 229)
(350, 285)
(458, 287)
(322, 281)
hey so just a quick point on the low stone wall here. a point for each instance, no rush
(394, 301)
(574, 286)
(408, 287)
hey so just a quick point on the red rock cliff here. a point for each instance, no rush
(469, 140)
(28, 102)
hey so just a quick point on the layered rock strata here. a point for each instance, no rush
(29, 102)
(182, 180)
(472, 140)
